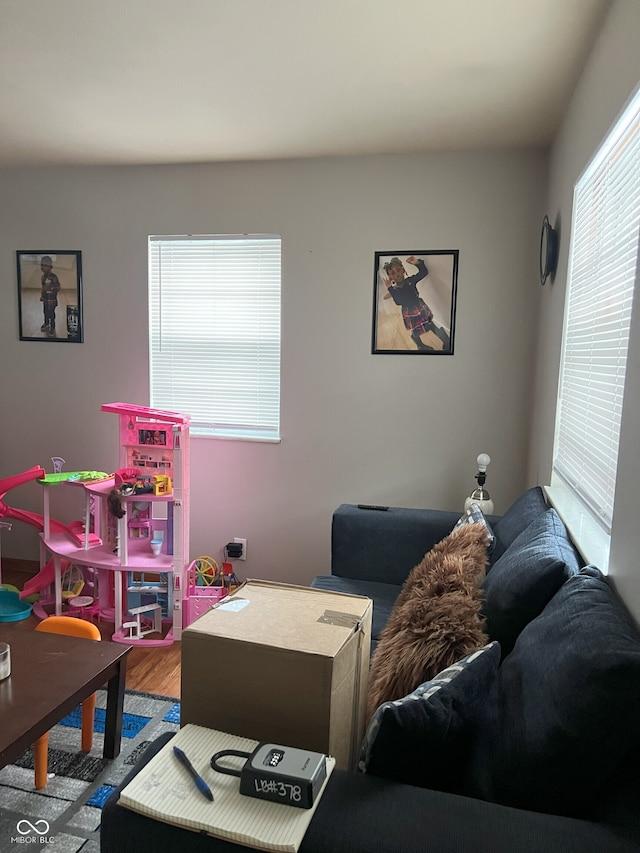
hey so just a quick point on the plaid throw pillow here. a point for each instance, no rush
(474, 515)
(425, 738)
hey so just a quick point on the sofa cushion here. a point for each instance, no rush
(436, 619)
(526, 577)
(367, 544)
(474, 515)
(384, 596)
(566, 705)
(519, 516)
(424, 738)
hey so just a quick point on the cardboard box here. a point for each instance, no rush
(281, 663)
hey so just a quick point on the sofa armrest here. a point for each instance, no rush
(384, 546)
(359, 814)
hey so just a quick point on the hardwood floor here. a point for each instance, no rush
(155, 670)
(152, 670)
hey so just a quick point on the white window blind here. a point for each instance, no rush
(602, 273)
(214, 318)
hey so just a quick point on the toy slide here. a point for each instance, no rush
(75, 530)
(33, 518)
(45, 577)
(9, 483)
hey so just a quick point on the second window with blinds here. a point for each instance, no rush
(603, 268)
(214, 332)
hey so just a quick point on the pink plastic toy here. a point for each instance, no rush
(127, 517)
(152, 441)
(204, 588)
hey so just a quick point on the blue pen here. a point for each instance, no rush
(200, 783)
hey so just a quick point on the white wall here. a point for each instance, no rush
(384, 429)
(610, 76)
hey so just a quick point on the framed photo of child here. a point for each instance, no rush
(414, 302)
(50, 296)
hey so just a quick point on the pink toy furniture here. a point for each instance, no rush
(204, 588)
(200, 599)
(83, 607)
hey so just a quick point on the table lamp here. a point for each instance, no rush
(480, 495)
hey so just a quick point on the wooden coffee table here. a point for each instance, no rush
(50, 675)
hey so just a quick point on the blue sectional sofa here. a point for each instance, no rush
(551, 757)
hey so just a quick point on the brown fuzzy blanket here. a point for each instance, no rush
(436, 618)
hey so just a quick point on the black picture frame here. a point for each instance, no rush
(50, 296)
(405, 296)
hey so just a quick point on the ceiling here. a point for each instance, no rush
(182, 81)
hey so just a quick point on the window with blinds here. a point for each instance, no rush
(214, 332)
(603, 267)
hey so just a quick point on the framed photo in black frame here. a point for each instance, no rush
(414, 302)
(50, 295)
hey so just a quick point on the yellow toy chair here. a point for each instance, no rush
(74, 628)
(72, 581)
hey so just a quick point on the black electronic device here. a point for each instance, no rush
(281, 774)
(234, 550)
(548, 250)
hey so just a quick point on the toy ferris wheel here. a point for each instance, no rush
(204, 571)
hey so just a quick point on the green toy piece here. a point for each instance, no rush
(73, 476)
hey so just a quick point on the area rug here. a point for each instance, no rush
(65, 816)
